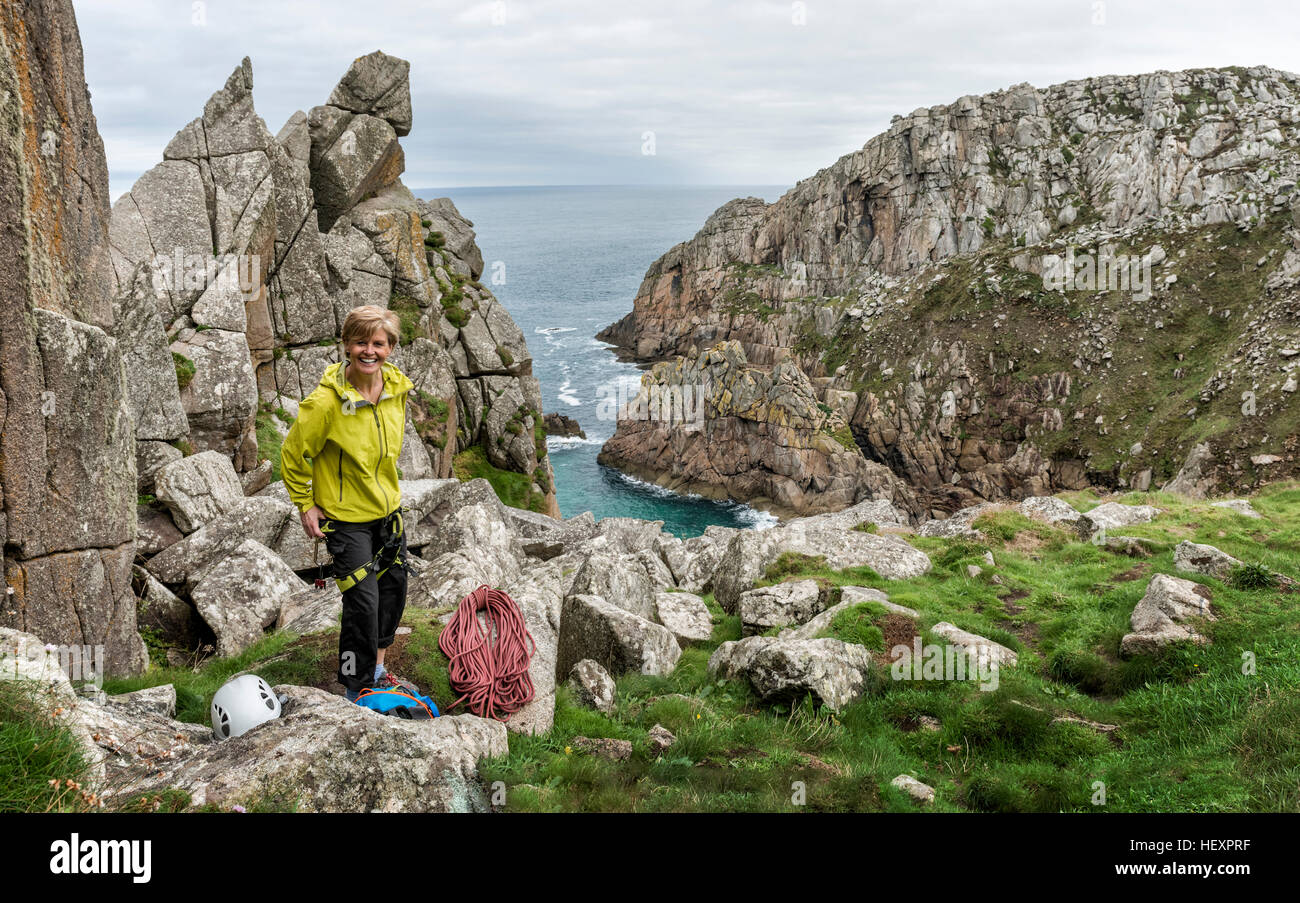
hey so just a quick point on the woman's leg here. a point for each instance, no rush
(392, 602)
(351, 546)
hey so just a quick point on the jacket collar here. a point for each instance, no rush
(395, 383)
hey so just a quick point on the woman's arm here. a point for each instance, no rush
(306, 439)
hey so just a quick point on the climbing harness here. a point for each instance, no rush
(389, 555)
(489, 658)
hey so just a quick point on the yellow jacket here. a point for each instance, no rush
(353, 446)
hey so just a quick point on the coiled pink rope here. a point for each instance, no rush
(489, 661)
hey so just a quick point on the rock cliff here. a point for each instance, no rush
(908, 281)
(237, 258)
(737, 431)
(67, 456)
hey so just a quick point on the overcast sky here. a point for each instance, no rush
(562, 92)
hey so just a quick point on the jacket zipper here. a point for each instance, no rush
(382, 451)
(340, 473)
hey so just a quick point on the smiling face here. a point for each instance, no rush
(367, 356)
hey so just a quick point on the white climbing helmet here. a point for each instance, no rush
(241, 705)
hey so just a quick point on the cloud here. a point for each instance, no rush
(555, 92)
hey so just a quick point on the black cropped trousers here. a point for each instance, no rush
(372, 608)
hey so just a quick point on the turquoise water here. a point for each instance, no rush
(572, 259)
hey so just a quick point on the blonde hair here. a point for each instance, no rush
(361, 323)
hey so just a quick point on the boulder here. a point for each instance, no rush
(618, 579)
(749, 553)
(171, 618)
(703, 554)
(686, 615)
(1195, 479)
(792, 602)
(620, 641)
(1163, 614)
(833, 671)
(380, 85)
(958, 524)
(155, 531)
(605, 747)
(258, 517)
(160, 700)
(660, 739)
(352, 156)
(920, 793)
(198, 489)
(1240, 506)
(988, 654)
(240, 596)
(1110, 515)
(392, 765)
(150, 457)
(538, 595)
(591, 686)
(1132, 546)
(1202, 559)
(1048, 508)
(311, 610)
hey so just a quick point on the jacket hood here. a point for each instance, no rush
(395, 381)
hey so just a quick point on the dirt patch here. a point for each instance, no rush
(1026, 541)
(1137, 572)
(898, 630)
(1028, 632)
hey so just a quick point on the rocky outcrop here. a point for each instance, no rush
(592, 686)
(749, 553)
(712, 425)
(833, 671)
(617, 640)
(560, 425)
(67, 449)
(1165, 614)
(907, 281)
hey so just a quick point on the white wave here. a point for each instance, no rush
(551, 330)
(748, 517)
(568, 397)
(655, 489)
(759, 520)
(570, 441)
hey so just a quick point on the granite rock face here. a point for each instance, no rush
(67, 448)
(711, 424)
(907, 280)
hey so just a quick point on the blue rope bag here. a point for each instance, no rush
(407, 704)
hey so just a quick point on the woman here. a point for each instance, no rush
(351, 429)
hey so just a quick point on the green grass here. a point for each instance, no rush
(408, 313)
(513, 488)
(1200, 728)
(1195, 732)
(184, 369)
(269, 439)
(36, 748)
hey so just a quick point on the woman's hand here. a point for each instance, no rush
(311, 522)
